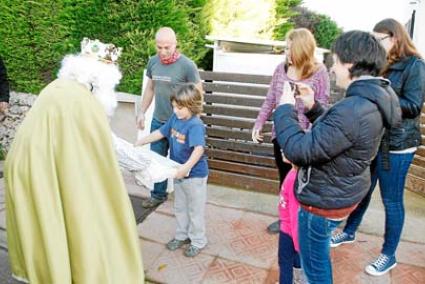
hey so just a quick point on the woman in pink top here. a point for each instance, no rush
(300, 66)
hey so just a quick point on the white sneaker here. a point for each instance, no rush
(381, 265)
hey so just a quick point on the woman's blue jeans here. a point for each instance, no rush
(314, 233)
(391, 184)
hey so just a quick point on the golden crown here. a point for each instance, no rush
(106, 52)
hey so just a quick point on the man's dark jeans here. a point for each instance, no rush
(161, 147)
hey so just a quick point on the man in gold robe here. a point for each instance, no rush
(69, 218)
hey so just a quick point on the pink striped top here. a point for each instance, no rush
(319, 82)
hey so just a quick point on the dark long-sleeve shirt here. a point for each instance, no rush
(4, 83)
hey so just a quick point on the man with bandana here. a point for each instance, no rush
(166, 71)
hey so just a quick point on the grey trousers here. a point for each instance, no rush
(190, 196)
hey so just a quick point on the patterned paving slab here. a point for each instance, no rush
(245, 240)
(408, 274)
(227, 271)
(174, 267)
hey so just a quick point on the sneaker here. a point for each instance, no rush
(192, 251)
(175, 244)
(274, 227)
(151, 202)
(381, 265)
(341, 238)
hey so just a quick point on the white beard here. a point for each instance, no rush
(97, 76)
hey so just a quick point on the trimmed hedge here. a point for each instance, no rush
(35, 35)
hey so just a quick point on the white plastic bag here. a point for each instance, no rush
(147, 166)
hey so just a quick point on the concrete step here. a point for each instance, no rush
(415, 184)
(419, 161)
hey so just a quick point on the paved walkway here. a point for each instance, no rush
(240, 250)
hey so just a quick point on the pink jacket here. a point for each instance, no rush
(288, 208)
(319, 82)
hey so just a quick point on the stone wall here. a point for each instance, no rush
(20, 103)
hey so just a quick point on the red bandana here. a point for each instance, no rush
(173, 58)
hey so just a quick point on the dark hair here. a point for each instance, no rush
(403, 45)
(362, 50)
(188, 95)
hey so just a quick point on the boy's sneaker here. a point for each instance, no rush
(341, 238)
(381, 265)
(175, 244)
(192, 251)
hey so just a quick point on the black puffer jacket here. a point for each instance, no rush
(408, 81)
(336, 154)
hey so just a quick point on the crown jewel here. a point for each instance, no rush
(106, 52)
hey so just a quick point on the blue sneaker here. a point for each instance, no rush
(381, 265)
(341, 238)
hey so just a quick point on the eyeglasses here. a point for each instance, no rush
(383, 38)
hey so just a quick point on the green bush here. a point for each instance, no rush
(325, 30)
(35, 35)
(31, 42)
(284, 13)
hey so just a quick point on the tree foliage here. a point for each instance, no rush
(242, 18)
(266, 19)
(35, 35)
(284, 13)
(325, 30)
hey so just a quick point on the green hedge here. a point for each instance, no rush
(35, 35)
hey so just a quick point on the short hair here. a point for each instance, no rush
(403, 45)
(188, 95)
(362, 50)
(303, 46)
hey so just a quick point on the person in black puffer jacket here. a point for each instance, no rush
(406, 70)
(335, 155)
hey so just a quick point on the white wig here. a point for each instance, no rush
(99, 77)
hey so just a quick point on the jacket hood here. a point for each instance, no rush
(378, 91)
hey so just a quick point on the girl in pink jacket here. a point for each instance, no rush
(288, 236)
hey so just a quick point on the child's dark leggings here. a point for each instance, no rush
(288, 258)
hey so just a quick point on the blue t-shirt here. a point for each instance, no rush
(183, 136)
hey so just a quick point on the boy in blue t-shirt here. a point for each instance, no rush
(185, 132)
